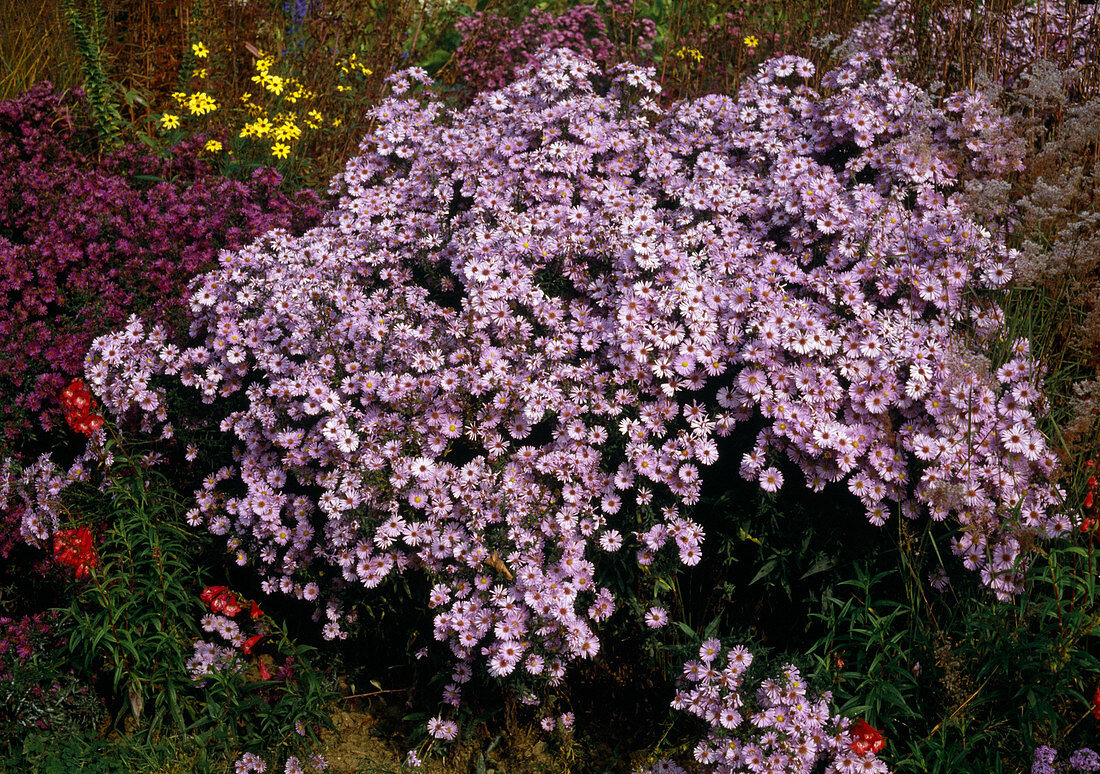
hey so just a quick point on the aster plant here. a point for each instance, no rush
(518, 337)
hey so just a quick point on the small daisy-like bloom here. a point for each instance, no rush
(709, 650)
(770, 479)
(169, 121)
(656, 617)
(212, 146)
(611, 540)
(588, 647)
(739, 657)
(280, 150)
(752, 41)
(200, 51)
(442, 729)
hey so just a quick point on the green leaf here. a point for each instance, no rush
(765, 571)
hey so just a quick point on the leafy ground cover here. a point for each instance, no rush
(629, 387)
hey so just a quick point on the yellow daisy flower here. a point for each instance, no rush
(287, 130)
(213, 146)
(169, 121)
(280, 150)
(200, 103)
(200, 51)
(752, 41)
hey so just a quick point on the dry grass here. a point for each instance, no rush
(35, 45)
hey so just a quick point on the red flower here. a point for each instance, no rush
(264, 674)
(1096, 703)
(76, 396)
(74, 547)
(866, 738)
(250, 643)
(221, 600)
(227, 604)
(256, 611)
(210, 592)
(78, 403)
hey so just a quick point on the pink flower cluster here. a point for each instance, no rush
(770, 726)
(511, 347)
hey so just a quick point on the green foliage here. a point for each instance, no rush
(87, 28)
(55, 754)
(40, 693)
(136, 620)
(957, 677)
(133, 622)
(274, 718)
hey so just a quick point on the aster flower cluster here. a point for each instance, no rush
(773, 725)
(250, 762)
(1081, 760)
(525, 313)
(33, 493)
(210, 657)
(18, 637)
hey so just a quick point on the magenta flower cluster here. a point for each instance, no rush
(86, 240)
(494, 48)
(770, 725)
(511, 347)
(18, 638)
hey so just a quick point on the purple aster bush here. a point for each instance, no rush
(86, 239)
(512, 346)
